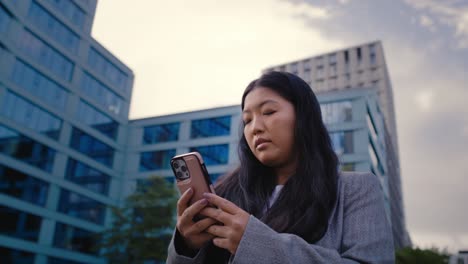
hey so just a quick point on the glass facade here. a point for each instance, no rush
(39, 85)
(333, 113)
(102, 95)
(29, 115)
(107, 69)
(82, 207)
(52, 260)
(53, 28)
(15, 256)
(44, 55)
(22, 186)
(156, 160)
(4, 20)
(87, 177)
(211, 127)
(213, 154)
(70, 11)
(97, 120)
(92, 147)
(342, 142)
(25, 149)
(76, 239)
(19, 224)
(161, 133)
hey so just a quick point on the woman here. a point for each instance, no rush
(286, 202)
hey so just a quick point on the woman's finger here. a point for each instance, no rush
(219, 231)
(201, 225)
(189, 213)
(183, 201)
(217, 214)
(222, 243)
(221, 203)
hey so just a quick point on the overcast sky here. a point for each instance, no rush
(191, 55)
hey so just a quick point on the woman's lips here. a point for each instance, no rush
(260, 143)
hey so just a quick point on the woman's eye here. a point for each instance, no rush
(246, 122)
(268, 112)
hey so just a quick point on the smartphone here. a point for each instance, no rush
(190, 171)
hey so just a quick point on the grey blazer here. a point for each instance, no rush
(358, 232)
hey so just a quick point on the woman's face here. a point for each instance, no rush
(269, 122)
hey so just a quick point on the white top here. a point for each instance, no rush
(273, 197)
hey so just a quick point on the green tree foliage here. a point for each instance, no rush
(416, 255)
(142, 227)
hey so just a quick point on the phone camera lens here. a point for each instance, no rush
(180, 175)
(176, 165)
(184, 169)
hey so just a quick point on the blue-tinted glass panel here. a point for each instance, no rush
(336, 112)
(102, 95)
(44, 55)
(62, 261)
(75, 239)
(25, 149)
(211, 127)
(80, 206)
(29, 115)
(161, 133)
(107, 69)
(39, 85)
(342, 142)
(53, 27)
(19, 224)
(156, 160)
(22, 186)
(215, 176)
(213, 154)
(70, 11)
(92, 147)
(5, 19)
(87, 177)
(97, 120)
(16, 256)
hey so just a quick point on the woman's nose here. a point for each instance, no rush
(257, 126)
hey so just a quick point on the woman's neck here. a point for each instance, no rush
(284, 173)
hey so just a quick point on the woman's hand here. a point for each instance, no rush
(193, 232)
(229, 235)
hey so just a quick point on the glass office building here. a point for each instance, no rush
(64, 102)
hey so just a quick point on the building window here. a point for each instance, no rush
(5, 19)
(332, 59)
(107, 69)
(342, 142)
(69, 10)
(320, 71)
(97, 120)
(82, 207)
(52, 260)
(332, 70)
(103, 95)
(161, 133)
(75, 239)
(211, 127)
(336, 112)
(294, 68)
(347, 167)
(92, 147)
(372, 54)
(359, 55)
(346, 57)
(53, 27)
(10, 255)
(307, 76)
(29, 115)
(44, 55)
(156, 160)
(39, 85)
(87, 177)
(25, 149)
(213, 154)
(282, 68)
(306, 65)
(22, 186)
(19, 224)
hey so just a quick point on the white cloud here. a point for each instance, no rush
(424, 100)
(451, 13)
(427, 22)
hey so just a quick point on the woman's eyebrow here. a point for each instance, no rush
(261, 104)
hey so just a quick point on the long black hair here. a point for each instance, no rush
(308, 197)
